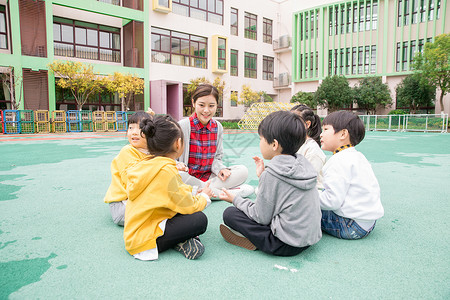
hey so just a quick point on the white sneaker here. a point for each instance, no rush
(244, 190)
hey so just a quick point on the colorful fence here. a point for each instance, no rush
(60, 121)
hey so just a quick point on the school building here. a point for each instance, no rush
(278, 47)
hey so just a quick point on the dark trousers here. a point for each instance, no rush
(181, 228)
(260, 235)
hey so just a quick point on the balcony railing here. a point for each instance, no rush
(87, 52)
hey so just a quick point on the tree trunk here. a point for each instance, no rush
(441, 101)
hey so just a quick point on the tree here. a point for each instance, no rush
(12, 81)
(371, 94)
(79, 78)
(126, 86)
(334, 93)
(434, 64)
(415, 91)
(249, 96)
(304, 98)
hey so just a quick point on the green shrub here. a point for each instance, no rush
(398, 112)
(230, 125)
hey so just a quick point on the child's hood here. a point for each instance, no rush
(296, 171)
(141, 175)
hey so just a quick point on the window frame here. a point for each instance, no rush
(234, 29)
(234, 69)
(268, 67)
(205, 9)
(5, 33)
(249, 60)
(249, 33)
(195, 61)
(116, 53)
(267, 34)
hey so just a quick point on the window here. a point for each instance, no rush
(374, 15)
(404, 56)
(406, 13)
(415, 8)
(171, 47)
(234, 98)
(366, 59)
(222, 54)
(438, 9)
(3, 32)
(361, 16)
(336, 20)
(341, 61)
(360, 60)
(397, 60)
(373, 60)
(98, 101)
(355, 17)
(342, 19)
(431, 10)
(234, 21)
(250, 30)
(301, 27)
(330, 21)
(423, 10)
(234, 62)
(335, 60)
(368, 14)
(420, 49)
(86, 40)
(250, 65)
(267, 68)
(347, 61)
(399, 12)
(349, 18)
(354, 59)
(206, 10)
(267, 31)
(306, 25)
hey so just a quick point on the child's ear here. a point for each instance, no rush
(344, 134)
(275, 145)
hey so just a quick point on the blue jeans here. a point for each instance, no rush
(342, 228)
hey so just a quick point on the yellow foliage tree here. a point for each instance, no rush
(79, 78)
(249, 96)
(125, 85)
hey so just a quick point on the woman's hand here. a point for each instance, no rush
(224, 174)
(259, 162)
(182, 167)
(207, 190)
(226, 196)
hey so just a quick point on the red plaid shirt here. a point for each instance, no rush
(202, 147)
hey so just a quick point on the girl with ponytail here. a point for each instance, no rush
(311, 148)
(161, 212)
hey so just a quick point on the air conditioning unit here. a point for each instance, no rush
(283, 80)
(283, 42)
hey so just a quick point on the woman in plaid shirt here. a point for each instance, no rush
(203, 150)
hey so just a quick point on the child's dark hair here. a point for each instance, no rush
(347, 120)
(205, 89)
(161, 133)
(138, 116)
(285, 127)
(307, 114)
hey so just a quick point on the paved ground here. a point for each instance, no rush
(57, 239)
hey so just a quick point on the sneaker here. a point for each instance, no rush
(244, 190)
(191, 249)
(236, 238)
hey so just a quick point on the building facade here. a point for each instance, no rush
(280, 47)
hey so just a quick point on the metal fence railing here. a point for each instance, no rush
(419, 122)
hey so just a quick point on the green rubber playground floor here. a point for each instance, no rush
(57, 240)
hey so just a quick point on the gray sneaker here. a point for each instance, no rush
(191, 249)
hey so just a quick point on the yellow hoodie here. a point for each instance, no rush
(155, 193)
(127, 157)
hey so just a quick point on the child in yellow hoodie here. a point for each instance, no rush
(128, 156)
(161, 212)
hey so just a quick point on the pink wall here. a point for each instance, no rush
(166, 97)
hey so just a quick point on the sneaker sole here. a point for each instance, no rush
(234, 239)
(193, 251)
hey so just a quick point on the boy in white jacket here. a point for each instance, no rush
(350, 200)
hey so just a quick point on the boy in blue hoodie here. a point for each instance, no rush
(285, 218)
